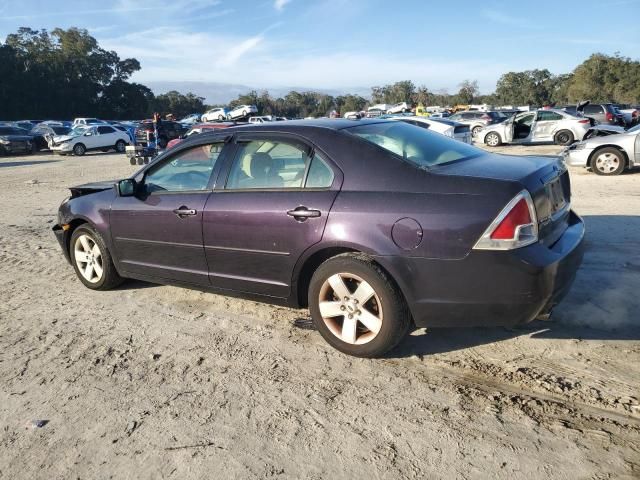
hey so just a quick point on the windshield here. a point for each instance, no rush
(80, 130)
(635, 129)
(414, 144)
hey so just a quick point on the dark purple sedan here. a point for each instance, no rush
(376, 226)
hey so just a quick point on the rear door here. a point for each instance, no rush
(107, 136)
(273, 206)
(545, 125)
(158, 232)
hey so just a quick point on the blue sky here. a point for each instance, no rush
(342, 43)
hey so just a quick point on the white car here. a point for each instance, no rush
(87, 121)
(242, 111)
(260, 119)
(215, 114)
(352, 115)
(448, 128)
(541, 126)
(380, 107)
(401, 107)
(86, 138)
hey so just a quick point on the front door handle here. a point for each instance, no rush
(302, 213)
(183, 212)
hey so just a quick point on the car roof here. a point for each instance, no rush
(316, 123)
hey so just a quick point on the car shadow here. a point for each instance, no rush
(25, 164)
(603, 303)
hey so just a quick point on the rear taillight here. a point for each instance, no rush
(586, 120)
(515, 226)
(609, 117)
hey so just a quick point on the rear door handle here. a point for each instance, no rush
(302, 213)
(183, 212)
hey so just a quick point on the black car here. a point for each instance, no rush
(167, 130)
(14, 140)
(43, 131)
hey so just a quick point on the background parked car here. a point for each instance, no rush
(87, 121)
(262, 119)
(90, 137)
(191, 119)
(607, 155)
(477, 120)
(166, 131)
(446, 127)
(401, 107)
(13, 140)
(199, 128)
(604, 113)
(241, 111)
(44, 132)
(557, 126)
(631, 114)
(214, 114)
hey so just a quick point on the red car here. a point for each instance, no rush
(199, 128)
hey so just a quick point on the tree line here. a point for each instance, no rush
(65, 73)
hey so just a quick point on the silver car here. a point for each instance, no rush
(606, 155)
(539, 126)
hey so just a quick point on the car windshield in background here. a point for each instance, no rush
(11, 131)
(414, 144)
(61, 130)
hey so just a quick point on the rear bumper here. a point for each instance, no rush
(491, 288)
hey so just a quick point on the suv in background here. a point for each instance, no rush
(167, 130)
(603, 113)
(477, 120)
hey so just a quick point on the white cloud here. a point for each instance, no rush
(280, 4)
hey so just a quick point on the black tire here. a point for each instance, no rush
(221, 118)
(121, 146)
(608, 161)
(396, 319)
(475, 131)
(110, 277)
(79, 149)
(34, 148)
(563, 137)
(162, 142)
(492, 139)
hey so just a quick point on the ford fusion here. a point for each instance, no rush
(375, 226)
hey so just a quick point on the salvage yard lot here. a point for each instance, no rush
(160, 382)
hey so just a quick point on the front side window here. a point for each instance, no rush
(188, 170)
(413, 144)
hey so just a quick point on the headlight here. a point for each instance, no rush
(4, 141)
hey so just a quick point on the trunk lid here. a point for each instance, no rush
(545, 178)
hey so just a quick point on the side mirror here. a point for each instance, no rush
(88, 134)
(127, 187)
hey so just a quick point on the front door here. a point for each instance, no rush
(545, 125)
(273, 207)
(158, 232)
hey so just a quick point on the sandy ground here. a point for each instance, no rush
(160, 382)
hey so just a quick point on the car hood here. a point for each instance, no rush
(17, 138)
(87, 188)
(607, 139)
(609, 128)
(64, 138)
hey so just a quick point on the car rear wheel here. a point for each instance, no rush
(356, 307)
(475, 131)
(563, 137)
(493, 139)
(220, 118)
(92, 261)
(79, 149)
(607, 161)
(120, 146)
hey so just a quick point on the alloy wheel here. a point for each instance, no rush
(350, 308)
(492, 140)
(607, 162)
(88, 258)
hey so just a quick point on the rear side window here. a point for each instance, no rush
(413, 144)
(545, 116)
(593, 109)
(276, 164)
(105, 130)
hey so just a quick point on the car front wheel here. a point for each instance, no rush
(79, 149)
(356, 307)
(608, 161)
(92, 261)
